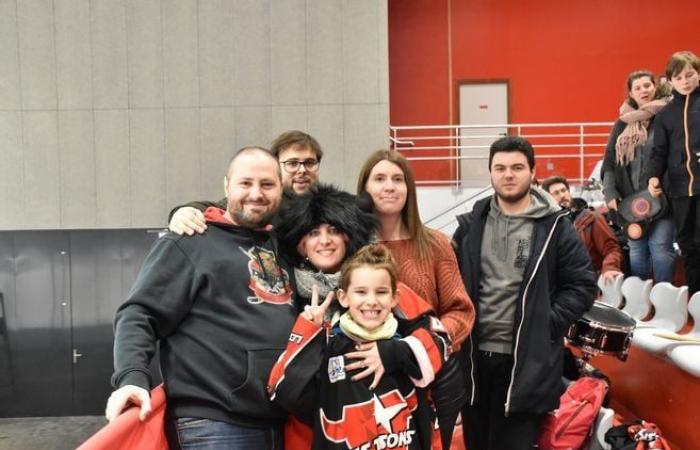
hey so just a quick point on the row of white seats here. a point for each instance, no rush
(671, 308)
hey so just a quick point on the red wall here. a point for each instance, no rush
(566, 61)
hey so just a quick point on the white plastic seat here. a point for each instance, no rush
(671, 314)
(636, 292)
(686, 355)
(603, 423)
(611, 293)
(670, 306)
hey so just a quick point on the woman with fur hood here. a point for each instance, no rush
(318, 231)
(626, 155)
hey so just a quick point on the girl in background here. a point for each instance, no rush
(626, 155)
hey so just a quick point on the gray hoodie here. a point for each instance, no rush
(505, 252)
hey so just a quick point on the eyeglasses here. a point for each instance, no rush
(293, 165)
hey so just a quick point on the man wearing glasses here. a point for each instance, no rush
(299, 155)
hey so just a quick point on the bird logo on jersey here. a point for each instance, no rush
(384, 422)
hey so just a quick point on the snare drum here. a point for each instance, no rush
(603, 329)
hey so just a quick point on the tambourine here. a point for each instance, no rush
(638, 211)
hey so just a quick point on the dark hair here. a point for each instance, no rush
(296, 138)
(679, 60)
(375, 256)
(251, 149)
(513, 144)
(637, 74)
(409, 214)
(547, 183)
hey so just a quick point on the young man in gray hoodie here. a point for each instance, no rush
(530, 277)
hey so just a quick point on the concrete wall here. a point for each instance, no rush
(114, 111)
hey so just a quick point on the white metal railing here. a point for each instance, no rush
(568, 149)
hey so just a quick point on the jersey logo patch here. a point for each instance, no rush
(336, 369)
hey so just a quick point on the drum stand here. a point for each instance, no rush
(584, 368)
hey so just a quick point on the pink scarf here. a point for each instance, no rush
(635, 133)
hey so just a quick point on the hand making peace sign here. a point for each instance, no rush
(314, 312)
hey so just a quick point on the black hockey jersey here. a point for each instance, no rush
(310, 381)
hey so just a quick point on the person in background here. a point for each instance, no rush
(219, 309)
(591, 226)
(299, 156)
(530, 278)
(676, 153)
(628, 151)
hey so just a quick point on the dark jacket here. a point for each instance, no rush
(558, 287)
(619, 180)
(600, 241)
(209, 300)
(675, 151)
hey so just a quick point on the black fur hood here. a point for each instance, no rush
(322, 204)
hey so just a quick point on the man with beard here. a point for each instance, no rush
(596, 234)
(220, 308)
(299, 156)
(529, 278)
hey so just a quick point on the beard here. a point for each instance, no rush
(515, 196)
(248, 219)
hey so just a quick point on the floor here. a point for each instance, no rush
(50, 433)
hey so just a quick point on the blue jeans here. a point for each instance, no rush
(654, 252)
(204, 434)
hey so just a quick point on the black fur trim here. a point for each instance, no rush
(322, 204)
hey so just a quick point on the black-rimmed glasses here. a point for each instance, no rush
(292, 165)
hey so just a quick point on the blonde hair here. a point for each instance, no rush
(375, 256)
(410, 217)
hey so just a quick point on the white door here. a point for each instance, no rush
(480, 104)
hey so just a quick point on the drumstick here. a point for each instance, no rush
(677, 337)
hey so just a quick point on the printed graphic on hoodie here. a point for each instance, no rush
(268, 281)
(522, 253)
(383, 422)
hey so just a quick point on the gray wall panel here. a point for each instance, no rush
(249, 69)
(216, 57)
(76, 147)
(112, 169)
(326, 125)
(360, 56)
(183, 166)
(218, 145)
(109, 63)
(180, 65)
(37, 54)
(252, 125)
(42, 198)
(363, 134)
(11, 170)
(147, 176)
(73, 55)
(9, 57)
(145, 53)
(288, 52)
(284, 118)
(324, 39)
(251, 28)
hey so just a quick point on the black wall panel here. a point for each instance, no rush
(60, 290)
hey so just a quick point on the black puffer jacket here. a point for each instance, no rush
(558, 287)
(677, 145)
